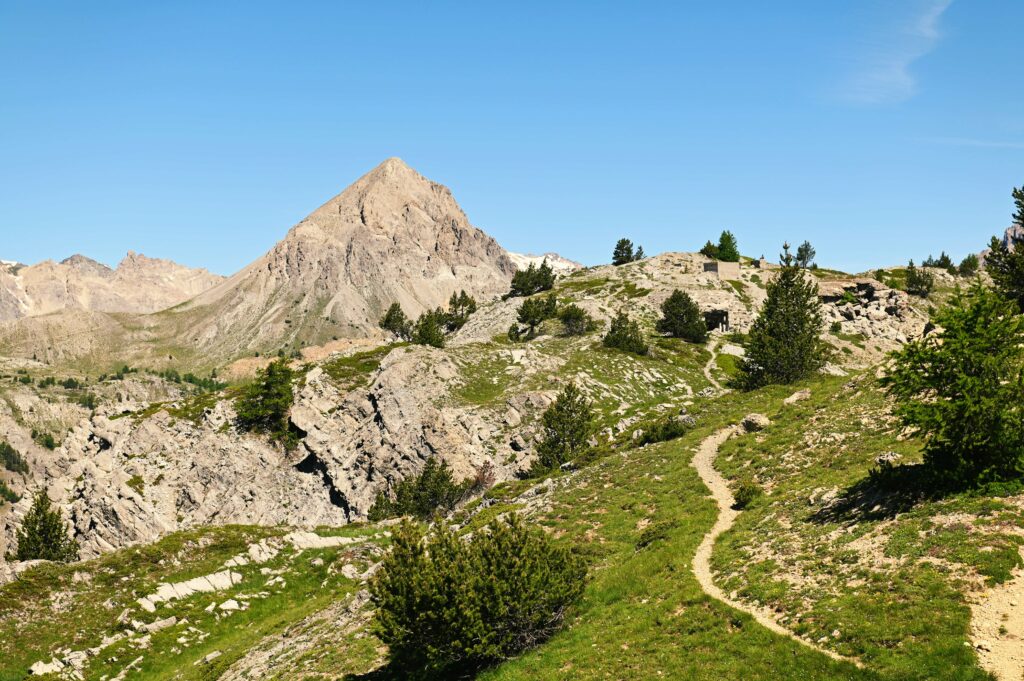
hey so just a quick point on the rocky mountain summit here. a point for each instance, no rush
(557, 263)
(137, 285)
(393, 236)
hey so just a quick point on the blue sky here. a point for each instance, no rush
(202, 131)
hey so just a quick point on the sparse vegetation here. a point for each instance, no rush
(7, 494)
(448, 608)
(12, 459)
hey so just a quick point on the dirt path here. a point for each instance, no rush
(997, 628)
(712, 347)
(704, 462)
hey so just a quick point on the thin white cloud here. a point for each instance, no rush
(883, 72)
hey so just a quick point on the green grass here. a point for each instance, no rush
(889, 581)
(31, 626)
(353, 371)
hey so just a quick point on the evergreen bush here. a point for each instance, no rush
(447, 608)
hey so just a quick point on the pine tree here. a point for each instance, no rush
(395, 321)
(710, 250)
(784, 344)
(44, 534)
(968, 266)
(460, 307)
(575, 320)
(532, 280)
(728, 249)
(1005, 261)
(429, 329)
(639, 255)
(264, 404)
(623, 252)
(1018, 206)
(624, 334)
(805, 254)
(534, 311)
(962, 389)
(681, 318)
(920, 282)
(566, 428)
(432, 491)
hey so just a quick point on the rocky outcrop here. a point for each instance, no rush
(127, 478)
(872, 310)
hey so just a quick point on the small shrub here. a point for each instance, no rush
(655, 532)
(575, 320)
(434, 490)
(624, 334)
(746, 493)
(7, 494)
(12, 459)
(837, 327)
(666, 429)
(447, 608)
(44, 439)
(44, 534)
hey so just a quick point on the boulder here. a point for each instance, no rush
(755, 422)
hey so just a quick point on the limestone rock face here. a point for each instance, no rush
(138, 284)
(127, 478)
(393, 236)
